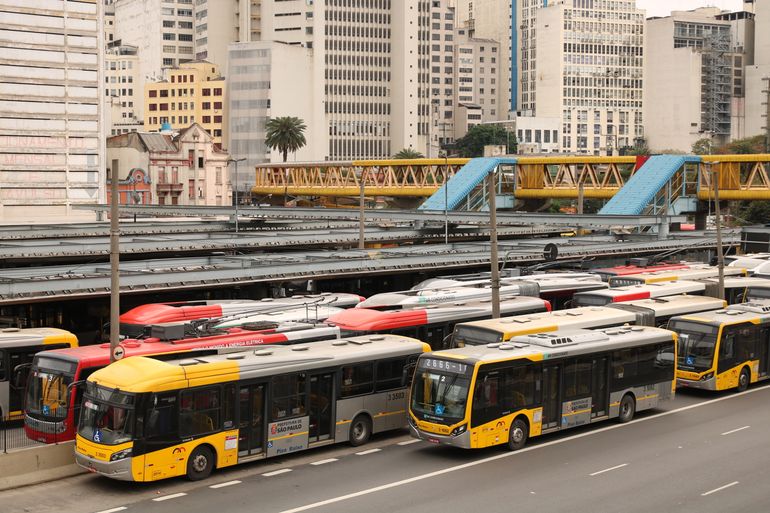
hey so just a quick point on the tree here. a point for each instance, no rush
(472, 144)
(702, 146)
(286, 134)
(407, 154)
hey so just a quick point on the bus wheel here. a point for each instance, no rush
(743, 380)
(627, 408)
(518, 435)
(360, 430)
(200, 464)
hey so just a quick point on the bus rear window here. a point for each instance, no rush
(471, 336)
(589, 300)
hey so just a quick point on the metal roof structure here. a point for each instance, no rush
(51, 282)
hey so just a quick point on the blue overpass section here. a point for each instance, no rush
(463, 182)
(641, 188)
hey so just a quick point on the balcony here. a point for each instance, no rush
(169, 187)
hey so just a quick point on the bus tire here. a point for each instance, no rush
(360, 430)
(518, 434)
(200, 463)
(744, 378)
(627, 409)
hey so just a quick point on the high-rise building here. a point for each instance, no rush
(123, 98)
(51, 108)
(589, 61)
(689, 79)
(194, 92)
(476, 75)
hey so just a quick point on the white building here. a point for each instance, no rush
(123, 99)
(758, 74)
(261, 85)
(476, 88)
(688, 76)
(51, 150)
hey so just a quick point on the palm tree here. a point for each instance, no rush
(285, 134)
(408, 153)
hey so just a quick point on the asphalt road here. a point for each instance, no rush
(701, 453)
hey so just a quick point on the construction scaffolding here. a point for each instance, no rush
(716, 69)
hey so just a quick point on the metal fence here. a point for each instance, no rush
(13, 437)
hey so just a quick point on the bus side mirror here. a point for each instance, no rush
(20, 374)
(74, 385)
(447, 340)
(407, 374)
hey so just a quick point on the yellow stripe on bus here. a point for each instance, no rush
(576, 412)
(287, 436)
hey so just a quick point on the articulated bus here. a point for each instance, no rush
(556, 287)
(134, 322)
(145, 419)
(17, 350)
(432, 324)
(52, 400)
(724, 349)
(504, 393)
(644, 312)
(687, 274)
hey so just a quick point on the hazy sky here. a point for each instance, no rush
(664, 7)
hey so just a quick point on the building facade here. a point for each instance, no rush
(476, 90)
(185, 168)
(689, 75)
(123, 99)
(51, 107)
(194, 92)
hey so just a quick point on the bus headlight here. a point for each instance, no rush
(121, 455)
(706, 376)
(459, 430)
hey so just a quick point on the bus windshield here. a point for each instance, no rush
(470, 336)
(696, 345)
(47, 387)
(440, 395)
(107, 416)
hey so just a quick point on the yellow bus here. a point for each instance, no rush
(504, 393)
(724, 349)
(645, 312)
(144, 419)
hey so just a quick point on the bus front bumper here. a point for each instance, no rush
(120, 469)
(701, 384)
(462, 440)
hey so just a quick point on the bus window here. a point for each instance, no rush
(289, 396)
(623, 368)
(161, 420)
(737, 346)
(2, 366)
(357, 379)
(199, 411)
(390, 374)
(577, 379)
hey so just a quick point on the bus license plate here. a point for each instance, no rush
(433, 440)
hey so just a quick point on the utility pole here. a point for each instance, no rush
(361, 200)
(766, 92)
(236, 188)
(718, 219)
(492, 201)
(114, 266)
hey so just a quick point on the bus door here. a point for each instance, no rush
(764, 351)
(576, 406)
(551, 402)
(251, 423)
(321, 406)
(599, 393)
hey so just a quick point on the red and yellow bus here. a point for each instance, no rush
(52, 398)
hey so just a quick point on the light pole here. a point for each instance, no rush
(236, 188)
(361, 200)
(492, 201)
(446, 198)
(195, 167)
(714, 171)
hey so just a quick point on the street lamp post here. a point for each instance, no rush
(195, 167)
(492, 201)
(714, 171)
(446, 198)
(236, 188)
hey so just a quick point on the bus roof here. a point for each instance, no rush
(743, 312)
(674, 305)
(642, 291)
(684, 274)
(309, 313)
(23, 337)
(583, 317)
(557, 343)
(624, 270)
(99, 355)
(148, 375)
(367, 319)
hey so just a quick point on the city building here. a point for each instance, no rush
(442, 77)
(689, 74)
(135, 189)
(123, 98)
(185, 168)
(742, 37)
(193, 92)
(758, 75)
(261, 85)
(476, 74)
(51, 106)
